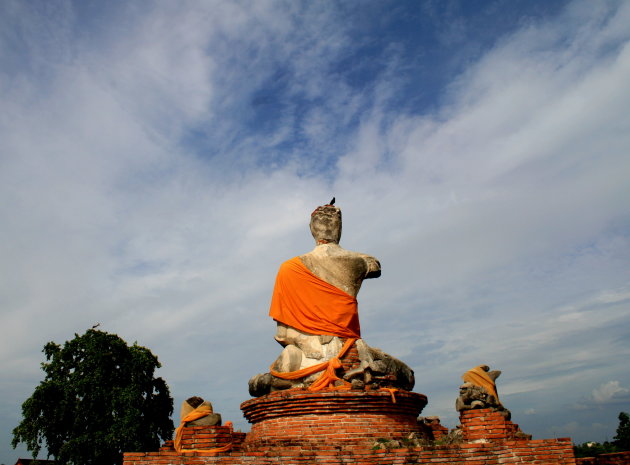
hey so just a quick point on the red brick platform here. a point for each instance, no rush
(341, 427)
(348, 417)
(480, 425)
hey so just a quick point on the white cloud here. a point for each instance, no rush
(608, 392)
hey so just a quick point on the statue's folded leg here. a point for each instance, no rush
(290, 359)
(377, 367)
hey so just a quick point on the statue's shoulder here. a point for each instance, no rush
(336, 251)
(371, 263)
(332, 261)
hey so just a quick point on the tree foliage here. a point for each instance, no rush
(621, 441)
(99, 398)
(622, 438)
(593, 449)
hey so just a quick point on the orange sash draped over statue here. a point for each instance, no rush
(479, 377)
(306, 302)
(199, 412)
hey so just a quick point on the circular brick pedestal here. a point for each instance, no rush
(298, 417)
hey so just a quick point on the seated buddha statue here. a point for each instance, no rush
(315, 307)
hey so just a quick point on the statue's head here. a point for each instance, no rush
(194, 401)
(326, 224)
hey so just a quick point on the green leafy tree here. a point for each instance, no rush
(622, 439)
(593, 449)
(99, 398)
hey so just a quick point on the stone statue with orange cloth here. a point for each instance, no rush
(315, 307)
(196, 403)
(197, 412)
(479, 391)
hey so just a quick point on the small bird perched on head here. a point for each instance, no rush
(332, 202)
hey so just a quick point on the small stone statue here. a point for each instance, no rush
(479, 391)
(197, 403)
(315, 307)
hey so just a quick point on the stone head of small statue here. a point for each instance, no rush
(326, 224)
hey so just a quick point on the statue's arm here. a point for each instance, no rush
(373, 267)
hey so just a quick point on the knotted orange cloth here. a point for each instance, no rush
(199, 412)
(479, 377)
(329, 368)
(308, 303)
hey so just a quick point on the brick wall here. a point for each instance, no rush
(541, 452)
(485, 424)
(208, 437)
(617, 458)
(432, 429)
(333, 427)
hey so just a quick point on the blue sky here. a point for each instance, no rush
(159, 160)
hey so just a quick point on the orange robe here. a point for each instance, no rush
(306, 302)
(479, 377)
